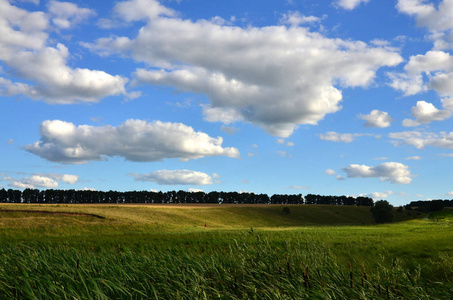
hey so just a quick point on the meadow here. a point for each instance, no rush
(222, 252)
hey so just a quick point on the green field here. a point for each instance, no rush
(244, 252)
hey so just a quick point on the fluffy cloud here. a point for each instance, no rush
(65, 14)
(71, 179)
(24, 51)
(274, 77)
(389, 171)
(437, 69)
(349, 4)
(427, 15)
(377, 118)
(48, 181)
(330, 172)
(421, 139)
(437, 66)
(176, 177)
(136, 10)
(135, 140)
(378, 195)
(343, 137)
(425, 112)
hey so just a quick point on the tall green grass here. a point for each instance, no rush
(242, 270)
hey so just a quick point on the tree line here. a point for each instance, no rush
(115, 197)
(431, 205)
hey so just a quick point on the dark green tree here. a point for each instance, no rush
(382, 211)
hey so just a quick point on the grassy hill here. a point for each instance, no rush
(189, 216)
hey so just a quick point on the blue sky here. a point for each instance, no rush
(347, 97)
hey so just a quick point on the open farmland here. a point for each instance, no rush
(165, 251)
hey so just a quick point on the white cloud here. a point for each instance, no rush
(446, 154)
(425, 112)
(414, 158)
(66, 14)
(273, 77)
(450, 193)
(410, 123)
(24, 52)
(433, 70)
(48, 181)
(88, 189)
(175, 177)
(339, 177)
(378, 195)
(71, 179)
(421, 139)
(193, 190)
(427, 15)
(298, 187)
(377, 118)
(35, 181)
(349, 4)
(136, 10)
(295, 18)
(330, 172)
(280, 141)
(389, 171)
(135, 140)
(343, 137)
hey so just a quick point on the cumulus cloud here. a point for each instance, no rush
(349, 4)
(427, 15)
(275, 77)
(135, 140)
(43, 69)
(343, 137)
(339, 177)
(377, 118)
(66, 14)
(71, 179)
(48, 181)
(433, 70)
(136, 10)
(330, 172)
(425, 112)
(378, 195)
(420, 139)
(393, 172)
(175, 177)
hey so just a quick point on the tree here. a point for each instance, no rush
(382, 211)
